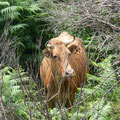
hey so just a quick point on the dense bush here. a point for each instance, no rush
(22, 24)
(96, 22)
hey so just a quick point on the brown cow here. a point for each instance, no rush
(63, 69)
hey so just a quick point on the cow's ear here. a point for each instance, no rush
(46, 52)
(73, 48)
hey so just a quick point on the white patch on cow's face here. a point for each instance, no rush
(69, 71)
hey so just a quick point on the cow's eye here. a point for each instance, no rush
(55, 56)
(69, 54)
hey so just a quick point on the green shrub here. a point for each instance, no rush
(100, 95)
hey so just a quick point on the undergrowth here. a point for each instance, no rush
(99, 99)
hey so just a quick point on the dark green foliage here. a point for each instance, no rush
(25, 27)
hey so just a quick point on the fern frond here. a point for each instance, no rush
(76, 116)
(10, 9)
(9, 16)
(93, 77)
(94, 63)
(24, 79)
(34, 7)
(11, 82)
(107, 109)
(4, 3)
(14, 28)
(100, 110)
(15, 90)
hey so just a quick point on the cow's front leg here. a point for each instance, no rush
(51, 102)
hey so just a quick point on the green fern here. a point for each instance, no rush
(4, 4)
(99, 106)
(100, 110)
(9, 16)
(10, 84)
(12, 95)
(33, 8)
(14, 28)
(9, 12)
(10, 9)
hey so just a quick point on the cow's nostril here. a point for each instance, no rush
(66, 73)
(69, 73)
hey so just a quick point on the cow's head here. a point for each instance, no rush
(59, 53)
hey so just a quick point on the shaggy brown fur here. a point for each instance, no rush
(61, 91)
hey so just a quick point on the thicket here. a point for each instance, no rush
(27, 25)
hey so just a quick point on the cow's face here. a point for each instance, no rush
(59, 55)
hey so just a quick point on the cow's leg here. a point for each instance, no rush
(70, 100)
(51, 103)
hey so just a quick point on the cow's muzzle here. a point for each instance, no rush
(69, 72)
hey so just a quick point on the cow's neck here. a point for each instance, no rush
(58, 81)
